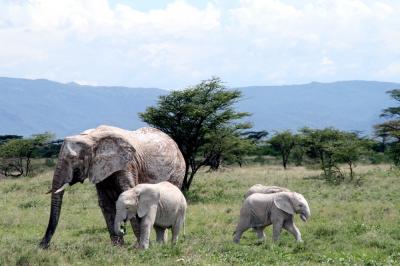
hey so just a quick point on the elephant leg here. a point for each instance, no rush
(108, 192)
(107, 200)
(175, 230)
(260, 232)
(126, 180)
(161, 234)
(292, 228)
(135, 223)
(276, 230)
(145, 228)
(242, 226)
(146, 223)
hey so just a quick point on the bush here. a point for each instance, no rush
(49, 162)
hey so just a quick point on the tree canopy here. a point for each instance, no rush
(283, 143)
(389, 130)
(332, 147)
(203, 122)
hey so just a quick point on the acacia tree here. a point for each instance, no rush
(17, 153)
(283, 143)
(348, 150)
(389, 130)
(226, 145)
(332, 147)
(202, 121)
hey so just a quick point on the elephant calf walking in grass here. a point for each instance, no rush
(159, 205)
(260, 210)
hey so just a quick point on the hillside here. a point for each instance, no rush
(347, 105)
(34, 106)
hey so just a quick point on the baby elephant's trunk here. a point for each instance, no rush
(119, 225)
(305, 215)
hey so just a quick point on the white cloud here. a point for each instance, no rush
(249, 42)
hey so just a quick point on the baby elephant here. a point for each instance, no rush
(159, 205)
(258, 188)
(260, 210)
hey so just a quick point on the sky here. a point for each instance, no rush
(175, 44)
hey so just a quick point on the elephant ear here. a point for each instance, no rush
(282, 201)
(149, 196)
(111, 154)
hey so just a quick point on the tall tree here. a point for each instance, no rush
(389, 130)
(200, 119)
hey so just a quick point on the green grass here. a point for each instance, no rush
(350, 224)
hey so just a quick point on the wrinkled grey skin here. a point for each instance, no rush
(258, 188)
(115, 160)
(159, 205)
(261, 210)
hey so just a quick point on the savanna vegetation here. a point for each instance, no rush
(350, 224)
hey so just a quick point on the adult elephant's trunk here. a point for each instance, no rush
(56, 202)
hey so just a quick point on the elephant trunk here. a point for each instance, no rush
(305, 215)
(119, 224)
(56, 202)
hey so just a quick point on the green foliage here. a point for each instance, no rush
(283, 143)
(225, 145)
(49, 162)
(16, 154)
(332, 147)
(202, 121)
(298, 153)
(392, 111)
(5, 138)
(48, 149)
(389, 130)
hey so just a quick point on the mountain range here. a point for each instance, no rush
(35, 106)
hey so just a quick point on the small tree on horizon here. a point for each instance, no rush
(202, 121)
(283, 143)
(17, 153)
(332, 147)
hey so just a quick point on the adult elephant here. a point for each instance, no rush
(114, 160)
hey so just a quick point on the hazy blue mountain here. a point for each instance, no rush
(35, 106)
(347, 105)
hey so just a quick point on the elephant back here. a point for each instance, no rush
(160, 156)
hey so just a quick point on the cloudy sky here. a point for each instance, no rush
(173, 44)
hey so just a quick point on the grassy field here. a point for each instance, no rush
(350, 224)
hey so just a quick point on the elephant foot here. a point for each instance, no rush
(117, 240)
(44, 245)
